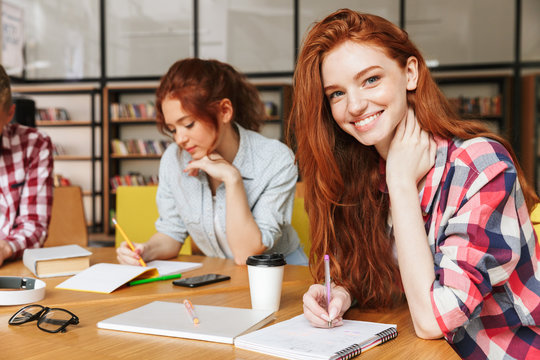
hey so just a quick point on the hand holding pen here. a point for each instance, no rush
(128, 242)
(326, 311)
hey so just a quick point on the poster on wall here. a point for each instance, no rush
(12, 39)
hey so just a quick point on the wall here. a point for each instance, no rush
(145, 36)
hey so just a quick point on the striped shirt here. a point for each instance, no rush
(486, 293)
(26, 186)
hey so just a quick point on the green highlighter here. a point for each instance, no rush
(159, 278)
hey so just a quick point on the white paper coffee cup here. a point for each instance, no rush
(265, 279)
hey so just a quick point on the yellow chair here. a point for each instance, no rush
(136, 212)
(300, 220)
(535, 218)
(68, 223)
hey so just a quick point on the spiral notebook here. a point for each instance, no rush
(297, 339)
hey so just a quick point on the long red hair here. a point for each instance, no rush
(347, 211)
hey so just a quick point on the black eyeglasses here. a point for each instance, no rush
(51, 320)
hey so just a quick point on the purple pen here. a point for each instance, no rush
(327, 281)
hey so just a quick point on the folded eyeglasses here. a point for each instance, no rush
(51, 320)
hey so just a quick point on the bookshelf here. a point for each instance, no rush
(126, 129)
(77, 141)
(484, 97)
(277, 99)
(121, 124)
(138, 126)
(530, 129)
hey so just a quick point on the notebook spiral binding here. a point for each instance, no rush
(387, 334)
(349, 352)
(356, 349)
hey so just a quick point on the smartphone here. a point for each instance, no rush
(201, 280)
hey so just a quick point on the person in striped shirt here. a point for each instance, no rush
(407, 199)
(26, 182)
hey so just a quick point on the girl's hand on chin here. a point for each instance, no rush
(411, 154)
(215, 166)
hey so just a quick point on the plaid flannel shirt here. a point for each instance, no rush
(486, 294)
(26, 186)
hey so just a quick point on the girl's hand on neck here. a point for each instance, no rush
(411, 154)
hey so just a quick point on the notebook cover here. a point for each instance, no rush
(105, 278)
(216, 323)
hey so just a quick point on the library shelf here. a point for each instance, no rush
(80, 135)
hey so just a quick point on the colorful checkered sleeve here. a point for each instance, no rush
(486, 296)
(27, 166)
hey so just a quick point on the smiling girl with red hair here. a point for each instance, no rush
(407, 198)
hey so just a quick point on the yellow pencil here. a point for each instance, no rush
(127, 240)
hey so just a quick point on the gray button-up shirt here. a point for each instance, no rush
(269, 173)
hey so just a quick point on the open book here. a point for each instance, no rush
(216, 323)
(105, 278)
(297, 339)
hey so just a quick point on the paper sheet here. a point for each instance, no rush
(105, 278)
(169, 267)
(297, 339)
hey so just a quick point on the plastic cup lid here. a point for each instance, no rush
(266, 260)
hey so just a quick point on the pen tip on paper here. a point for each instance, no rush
(196, 321)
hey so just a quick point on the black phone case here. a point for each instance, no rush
(189, 282)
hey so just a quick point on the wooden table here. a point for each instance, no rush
(151, 291)
(86, 341)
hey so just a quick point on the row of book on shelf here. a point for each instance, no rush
(139, 147)
(133, 179)
(478, 106)
(52, 113)
(58, 150)
(140, 111)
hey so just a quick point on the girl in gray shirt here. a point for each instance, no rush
(228, 187)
